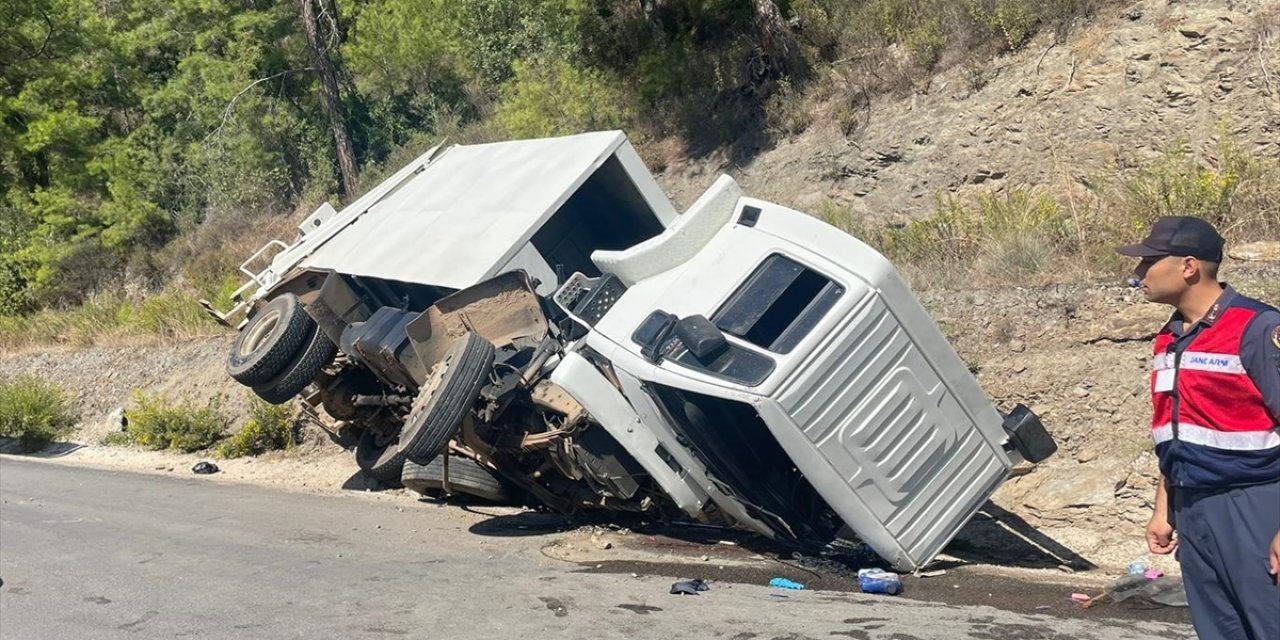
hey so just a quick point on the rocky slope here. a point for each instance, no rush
(1118, 91)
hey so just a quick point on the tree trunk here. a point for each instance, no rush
(331, 104)
(775, 36)
(650, 8)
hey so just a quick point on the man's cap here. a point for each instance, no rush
(1178, 236)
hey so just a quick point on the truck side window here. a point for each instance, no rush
(780, 302)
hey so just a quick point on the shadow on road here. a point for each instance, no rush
(997, 536)
(527, 523)
(359, 481)
(12, 446)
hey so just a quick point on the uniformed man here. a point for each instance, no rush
(1215, 389)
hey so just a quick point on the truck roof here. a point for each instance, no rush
(461, 216)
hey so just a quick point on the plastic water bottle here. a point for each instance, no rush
(879, 581)
(1137, 567)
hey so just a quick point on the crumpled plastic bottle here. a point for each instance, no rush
(879, 581)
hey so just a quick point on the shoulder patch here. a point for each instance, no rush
(1275, 337)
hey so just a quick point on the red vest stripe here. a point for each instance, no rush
(1225, 435)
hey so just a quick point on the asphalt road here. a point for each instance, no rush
(97, 554)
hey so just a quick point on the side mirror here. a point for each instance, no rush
(702, 337)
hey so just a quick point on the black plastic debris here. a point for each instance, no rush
(689, 587)
(204, 468)
(1165, 591)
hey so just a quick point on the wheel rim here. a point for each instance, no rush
(429, 387)
(259, 332)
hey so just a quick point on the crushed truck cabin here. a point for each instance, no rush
(536, 314)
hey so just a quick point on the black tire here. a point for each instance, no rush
(272, 339)
(446, 397)
(319, 352)
(465, 476)
(380, 457)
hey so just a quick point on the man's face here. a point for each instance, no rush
(1163, 278)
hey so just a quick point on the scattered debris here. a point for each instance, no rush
(1166, 590)
(783, 583)
(931, 574)
(204, 468)
(1080, 598)
(879, 581)
(1152, 574)
(689, 587)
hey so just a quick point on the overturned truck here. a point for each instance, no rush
(537, 314)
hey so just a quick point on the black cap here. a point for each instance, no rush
(1178, 236)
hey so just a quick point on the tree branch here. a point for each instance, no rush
(226, 113)
(48, 36)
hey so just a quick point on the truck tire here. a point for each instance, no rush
(306, 365)
(465, 476)
(380, 457)
(266, 345)
(446, 397)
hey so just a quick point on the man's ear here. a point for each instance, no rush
(1191, 268)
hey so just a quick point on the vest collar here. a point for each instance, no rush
(1177, 325)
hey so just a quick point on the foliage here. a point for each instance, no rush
(555, 98)
(110, 317)
(141, 142)
(154, 423)
(34, 411)
(269, 428)
(1014, 235)
(1235, 190)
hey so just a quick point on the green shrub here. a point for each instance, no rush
(34, 411)
(171, 315)
(1236, 191)
(785, 112)
(1177, 184)
(156, 424)
(106, 316)
(269, 428)
(925, 42)
(1014, 235)
(557, 98)
(1013, 21)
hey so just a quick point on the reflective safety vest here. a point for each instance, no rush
(1211, 425)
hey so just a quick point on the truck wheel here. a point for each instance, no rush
(380, 457)
(465, 476)
(446, 397)
(319, 352)
(271, 339)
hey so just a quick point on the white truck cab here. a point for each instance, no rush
(743, 362)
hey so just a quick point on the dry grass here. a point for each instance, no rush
(1089, 43)
(111, 319)
(1027, 237)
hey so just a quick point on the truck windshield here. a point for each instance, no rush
(778, 304)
